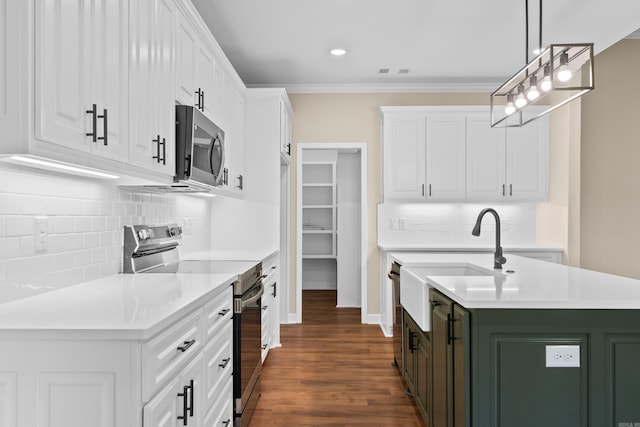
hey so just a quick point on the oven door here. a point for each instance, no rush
(247, 369)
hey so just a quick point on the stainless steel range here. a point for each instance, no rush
(153, 249)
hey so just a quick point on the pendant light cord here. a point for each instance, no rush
(526, 32)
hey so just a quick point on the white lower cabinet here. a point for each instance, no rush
(65, 383)
(180, 402)
(270, 306)
(221, 413)
(183, 371)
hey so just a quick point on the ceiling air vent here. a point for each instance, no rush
(383, 71)
(403, 71)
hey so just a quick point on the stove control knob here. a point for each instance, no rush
(143, 234)
(175, 231)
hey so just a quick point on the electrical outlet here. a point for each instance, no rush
(562, 356)
(41, 233)
(402, 223)
(394, 223)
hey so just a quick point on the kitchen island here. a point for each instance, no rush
(533, 344)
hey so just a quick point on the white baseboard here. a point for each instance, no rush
(293, 318)
(387, 331)
(372, 319)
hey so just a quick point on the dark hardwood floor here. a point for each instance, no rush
(332, 371)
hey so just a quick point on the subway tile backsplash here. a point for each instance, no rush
(84, 219)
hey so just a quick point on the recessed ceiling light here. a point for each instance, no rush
(338, 52)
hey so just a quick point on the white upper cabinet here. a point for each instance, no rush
(506, 165)
(404, 156)
(152, 136)
(195, 67)
(82, 75)
(186, 45)
(486, 160)
(445, 157)
(433, 154)
(424, 156)
(285, 130)
(234, 139)
(12, 76)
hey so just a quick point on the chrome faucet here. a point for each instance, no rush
(498, 259)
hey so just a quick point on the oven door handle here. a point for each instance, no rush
(254, 298)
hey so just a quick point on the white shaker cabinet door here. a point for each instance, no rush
(63, 65)
(110, 76)
(404, 157)
(8, 399)
(527, 162)
(152, 112)
(186, 45)
(82, 61)
(486, 160)
(162, 410)
(205, 75)
(445, 157)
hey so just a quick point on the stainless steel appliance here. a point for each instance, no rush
(396, 313)
(200, 151)
(153, 249)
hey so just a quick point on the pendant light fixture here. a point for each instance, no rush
(559, 74)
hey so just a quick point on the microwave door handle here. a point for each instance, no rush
(211, 145)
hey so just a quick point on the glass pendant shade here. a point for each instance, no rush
(561, 73)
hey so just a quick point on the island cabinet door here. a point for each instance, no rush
(460, 370)
(408, 362)
(441, 353)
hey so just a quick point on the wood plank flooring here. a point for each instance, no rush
(332, 371)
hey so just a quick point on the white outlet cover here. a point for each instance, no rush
(562, 356)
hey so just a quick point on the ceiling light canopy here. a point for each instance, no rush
(558, 75)
(338, 52)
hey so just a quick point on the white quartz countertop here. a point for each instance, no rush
(117, 307)
(239, 255)
(462, 248)
(533, 284)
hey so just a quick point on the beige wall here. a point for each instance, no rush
(558, 220)
(354, 118)
(610, 183)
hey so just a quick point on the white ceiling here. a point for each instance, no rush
(444, 43)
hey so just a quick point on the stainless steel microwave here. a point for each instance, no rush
(199, 149)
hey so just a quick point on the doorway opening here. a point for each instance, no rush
(332, 223)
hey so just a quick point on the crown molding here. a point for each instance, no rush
(387, 87)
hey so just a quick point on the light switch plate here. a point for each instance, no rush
(562, 356)
(394, 223)
(402, 223)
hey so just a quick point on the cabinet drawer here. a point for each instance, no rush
(217, 312)
(167, 352)
(221, 413)
(218, 355)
